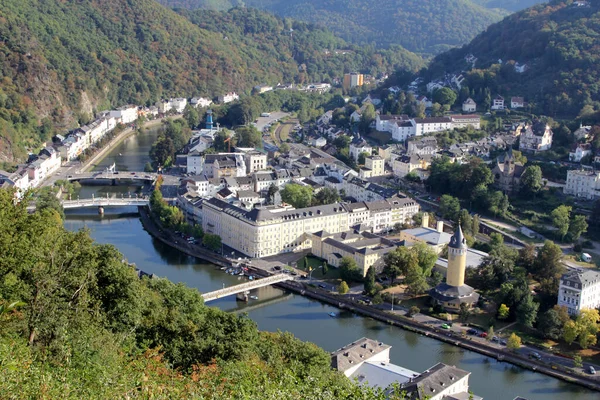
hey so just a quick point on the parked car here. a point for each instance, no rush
(445, 326)
(483, 334)
(592, 370)
(536, 355)
(472, 331)
(503, 342)
(322, 286)
(495, 339)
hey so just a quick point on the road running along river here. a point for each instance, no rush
(307, 319)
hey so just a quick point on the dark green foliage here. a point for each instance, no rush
(327, 196)
(557, 41)
(416, 25)
(370, 281)
(248, 136)
(213, 242)
(349, 270)
(297, 195)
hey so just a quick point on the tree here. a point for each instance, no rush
(148, 167)
(413, 310)
(464, 313)
(367, 117)
(297, 195)
(550, 325)
(560, 219)
(190, 114)
(449, 207)
(370, 281)
(490, 333)
(513, 342)
(415, 281)
(577, 227)
(361, 158)
(349, 270)
(475, 224)
(343, 288)
(394, 262)
(47, 200)
(548, 267)
(527, 311)
(325, 268)
(444, 96)
(271, 191)
(284, 148)
(211, 241)
(248, 136)
(327, 196)
(531, 180)
(577, 361)
(570, 331)
(587, 327)
(503, 312)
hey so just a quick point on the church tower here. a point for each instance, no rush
(457, 259)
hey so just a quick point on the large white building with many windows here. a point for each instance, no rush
(578, 290)
(584, 184)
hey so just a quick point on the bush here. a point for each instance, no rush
(413, 310)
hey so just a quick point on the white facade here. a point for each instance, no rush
(517, 102)
(578, 290)
(498, 103)
(584, 184)
(359, 146)
(228, 97)
(125, 114)
(201, 102)
(537, 137)
(464, 121)
(469, 105)
(178, 104)
(43, 167)
(255, 161)
(195, 163)
(582, 150)
(431, 125)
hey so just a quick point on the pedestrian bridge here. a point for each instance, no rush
(105, 202)
(107, 175)
(244, 287)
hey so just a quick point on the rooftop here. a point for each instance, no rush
(356, 352)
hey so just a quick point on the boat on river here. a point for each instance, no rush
(333, 315)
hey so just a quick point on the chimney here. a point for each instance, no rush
(440, 226)
(425, 222)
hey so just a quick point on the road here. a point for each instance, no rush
(261, 122)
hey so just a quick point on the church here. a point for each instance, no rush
(452, 293)
(507, 172)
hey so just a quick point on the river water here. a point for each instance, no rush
(307, 319)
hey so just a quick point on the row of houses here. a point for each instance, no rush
(30, 175)
(403, 127)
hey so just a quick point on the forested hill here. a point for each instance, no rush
(425, 26)
(559, 42)
(62, 61)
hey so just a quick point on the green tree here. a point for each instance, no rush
(413, 310)
(284, 148)
(561, 216)
(531, 180)
(577, 227)
(327, 196)
(213, 242)
(271, 191)
(370, 281)
(191, 116)
(577, 361)
(550, 325)
(297, 195)
(503, 312)
(464, 313)
(343, 288)
(444, 96)
(349, 270)
(46, 200)
(490, 333)
(148, 167)
(570, 332)
(361, 157)
(449, 207)
(587, 327)
(513, 342)
(527, 311)
(248, 136)
(325, 268)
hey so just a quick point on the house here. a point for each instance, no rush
(358, 146)
(255, 161)
(517, 102)
(469, 105)
(125, 114)
(464, 121)
(201, 102)
(498, 103)
(580, 151)
(387, 151)
(46, 163)
(425, 101)
(537, 137)
(583, 132)
(406, 164)
(228, 97)
(374, 166)
(178, 104)
(356, 116)
(262, 88)
(422, 146)
(318, 141)
(195, 163)
(521, 68)
(581, 183)
(325, 119)
(507, 172)
(434, 124)
(164, 106)
(18, 179)
(578, 290)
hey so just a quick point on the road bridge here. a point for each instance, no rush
(113, 176)
(105, 202)
(244, 287)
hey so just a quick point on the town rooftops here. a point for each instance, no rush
(581, 277)
(356, 352)
(382, 374)
(434, 381)
(429, 235)
(433, 120)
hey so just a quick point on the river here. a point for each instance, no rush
(307, 319)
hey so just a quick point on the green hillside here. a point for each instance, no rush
(558, 42)
(425, 26)
(76, 322)
(62, 61)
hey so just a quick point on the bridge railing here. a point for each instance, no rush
(271, 280)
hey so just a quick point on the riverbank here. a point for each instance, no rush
(103, 152)
(554, 370)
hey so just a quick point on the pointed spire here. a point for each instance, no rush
(458, 241)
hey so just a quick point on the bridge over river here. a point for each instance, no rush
(105, 202)
(244, 287)
(114, 176)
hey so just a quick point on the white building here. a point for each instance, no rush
(47, 163)
(359, 146)
(584, 184)
(318, 142)
(469, 105)
(228, 97)
(255, 161)
(178, 104)
(126, 114)
(464, 121)
(422, 146)
(517, 102)
(537, 137)
(201, 102)
(263, 88)
(498, 103)
(195, 163)
(434, 124)
(581, 150)
(578, 290)
(164, 106)
(18, 179)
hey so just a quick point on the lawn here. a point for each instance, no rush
(315, 263)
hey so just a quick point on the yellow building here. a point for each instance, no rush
(452, 293)
(353, 80)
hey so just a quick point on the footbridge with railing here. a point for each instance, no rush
(105, 202)
(244, 287)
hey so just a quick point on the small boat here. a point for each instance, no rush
(223, 268)
(250, 278)
(120, 154)
(254, 297)
(333, 315)
(241, 273)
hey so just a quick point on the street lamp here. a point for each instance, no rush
(311, 270)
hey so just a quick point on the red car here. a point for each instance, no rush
(483, 334)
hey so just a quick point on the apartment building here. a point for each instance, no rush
(578, 290)
(581, 183)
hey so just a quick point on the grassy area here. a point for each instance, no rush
(284, 131)
(313, 262)
(593, 265)
(421, 302)
(380, 137)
